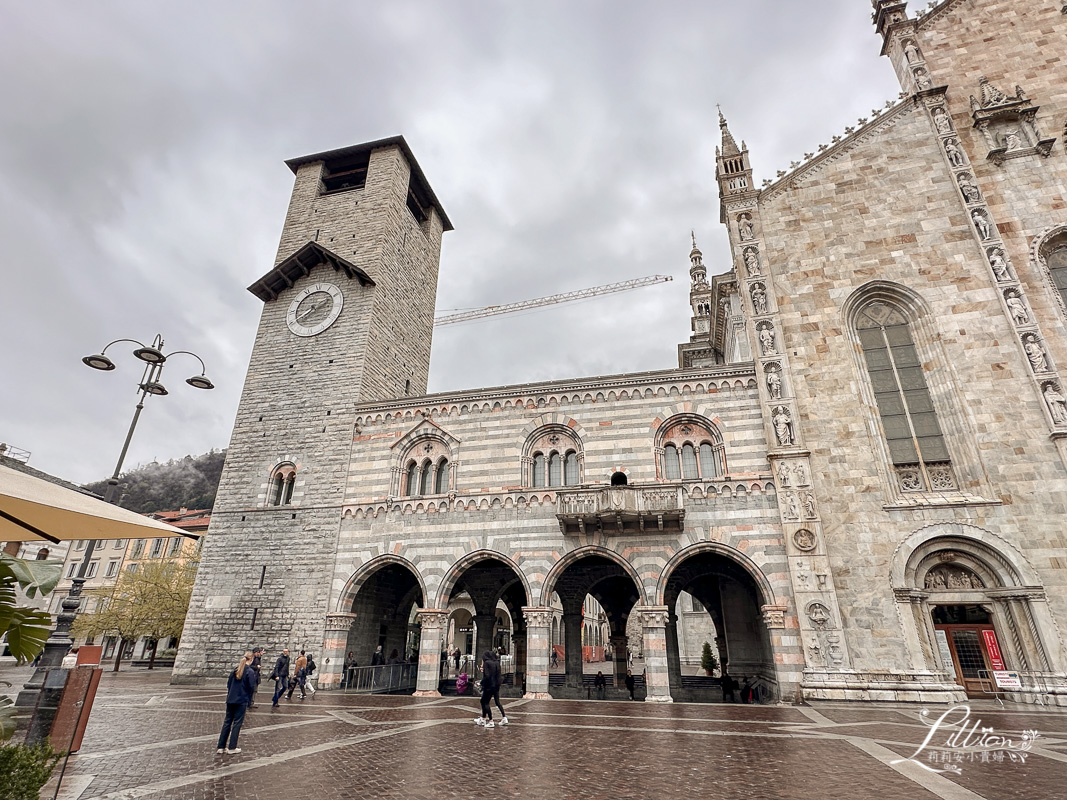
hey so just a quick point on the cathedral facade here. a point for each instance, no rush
(858, 468)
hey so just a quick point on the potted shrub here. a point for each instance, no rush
(708, 662)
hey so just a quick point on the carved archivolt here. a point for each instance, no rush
(952, 577)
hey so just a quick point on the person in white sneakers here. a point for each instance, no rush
(239, 688)
(491, 691)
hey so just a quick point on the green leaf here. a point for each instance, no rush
(27, 630)
(32, 576)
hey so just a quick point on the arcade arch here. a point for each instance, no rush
(382, 599)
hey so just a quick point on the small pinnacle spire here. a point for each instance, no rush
(693, 236)
(729, 146)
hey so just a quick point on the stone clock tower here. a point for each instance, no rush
(347, 318)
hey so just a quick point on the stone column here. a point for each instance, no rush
(431, 640)
(484, 625)
(572, 643)
(674, 656)
(518, 653)
(618, 647)
(654, 633)
(334, 646)
(538, 646)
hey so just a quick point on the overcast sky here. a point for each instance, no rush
(571, 143)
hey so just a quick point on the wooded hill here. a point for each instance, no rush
(190, 482)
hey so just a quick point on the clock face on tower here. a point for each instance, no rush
(314, 310)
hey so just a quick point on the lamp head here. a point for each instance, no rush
(150, 354)
(154, 388)
(99, 361)
(200, 382)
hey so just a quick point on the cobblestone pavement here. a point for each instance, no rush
(147, 739)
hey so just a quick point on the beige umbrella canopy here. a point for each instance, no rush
(32, 509)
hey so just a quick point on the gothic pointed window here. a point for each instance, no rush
(912, 432)
(570, 469)
(538, 470)
(441, 481)
(672, 470)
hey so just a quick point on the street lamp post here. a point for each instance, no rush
(59, 641)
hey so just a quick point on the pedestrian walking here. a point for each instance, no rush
(600, 684)
(280, 676)
(256, 666)
(491, 690)
(729, 686)
(239, 689)
(311, 667)
(630, 683)
(299, 677)
(350, 664)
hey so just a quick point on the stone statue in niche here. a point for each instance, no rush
(766, 340)
(999, 265)
(1013, 141)
(819, 615)
(792, 507)
(942, 121)
(783, 474)
(1016, 307)
(981, 223)
(783, 425)
(967, 187)
(804, 539)
(1035, 353)
(774, 384)
(911, 52)
(752, 261)
(922, 79)
(759, 298)
(1056, 402)
(991, 95)
(809, 506)
(952, 150)
(745, 228)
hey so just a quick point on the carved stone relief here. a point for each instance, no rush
(766, 339)
(783, 425)
(774, 381)
(942, 121)
(745, 229)
(1056, 402)
(800, 473)
(967, 188)
(1016, 307)
(792, 507)
(783, 474)
(1035, 353)
(804, 540)
(922, 79)
(911, 52)
(818, 614)
(952, 577)
(808, 502)
(999, 264)
(759, 298)
(752, 262)
(954, 153)
(982, 223)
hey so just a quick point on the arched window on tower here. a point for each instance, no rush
(441, 480)
(672, 469)
(689, 462)
(538, 470)
(912, 432)
(282, 484)
(555, 470)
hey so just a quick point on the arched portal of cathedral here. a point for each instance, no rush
(733, 599)
(973, 612)
(612, 583)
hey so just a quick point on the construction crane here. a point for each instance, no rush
(552, 299)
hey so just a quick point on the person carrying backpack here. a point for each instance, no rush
(310, 671)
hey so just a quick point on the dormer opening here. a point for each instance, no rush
(345, 174)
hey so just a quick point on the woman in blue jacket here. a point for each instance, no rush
(239, 689)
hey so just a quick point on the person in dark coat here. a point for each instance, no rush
(729, 686)
(239, 689)
(280, 676)
(256, 666)
(491, 690)
(630, 683)
(600, 683)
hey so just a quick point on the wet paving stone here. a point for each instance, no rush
(149, 740)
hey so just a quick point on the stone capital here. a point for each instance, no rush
(909, 595)
(537, 616)
(339, 621)
(774, 615)
(653, 616)
(432, 617)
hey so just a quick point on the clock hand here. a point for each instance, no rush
(310, 311)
